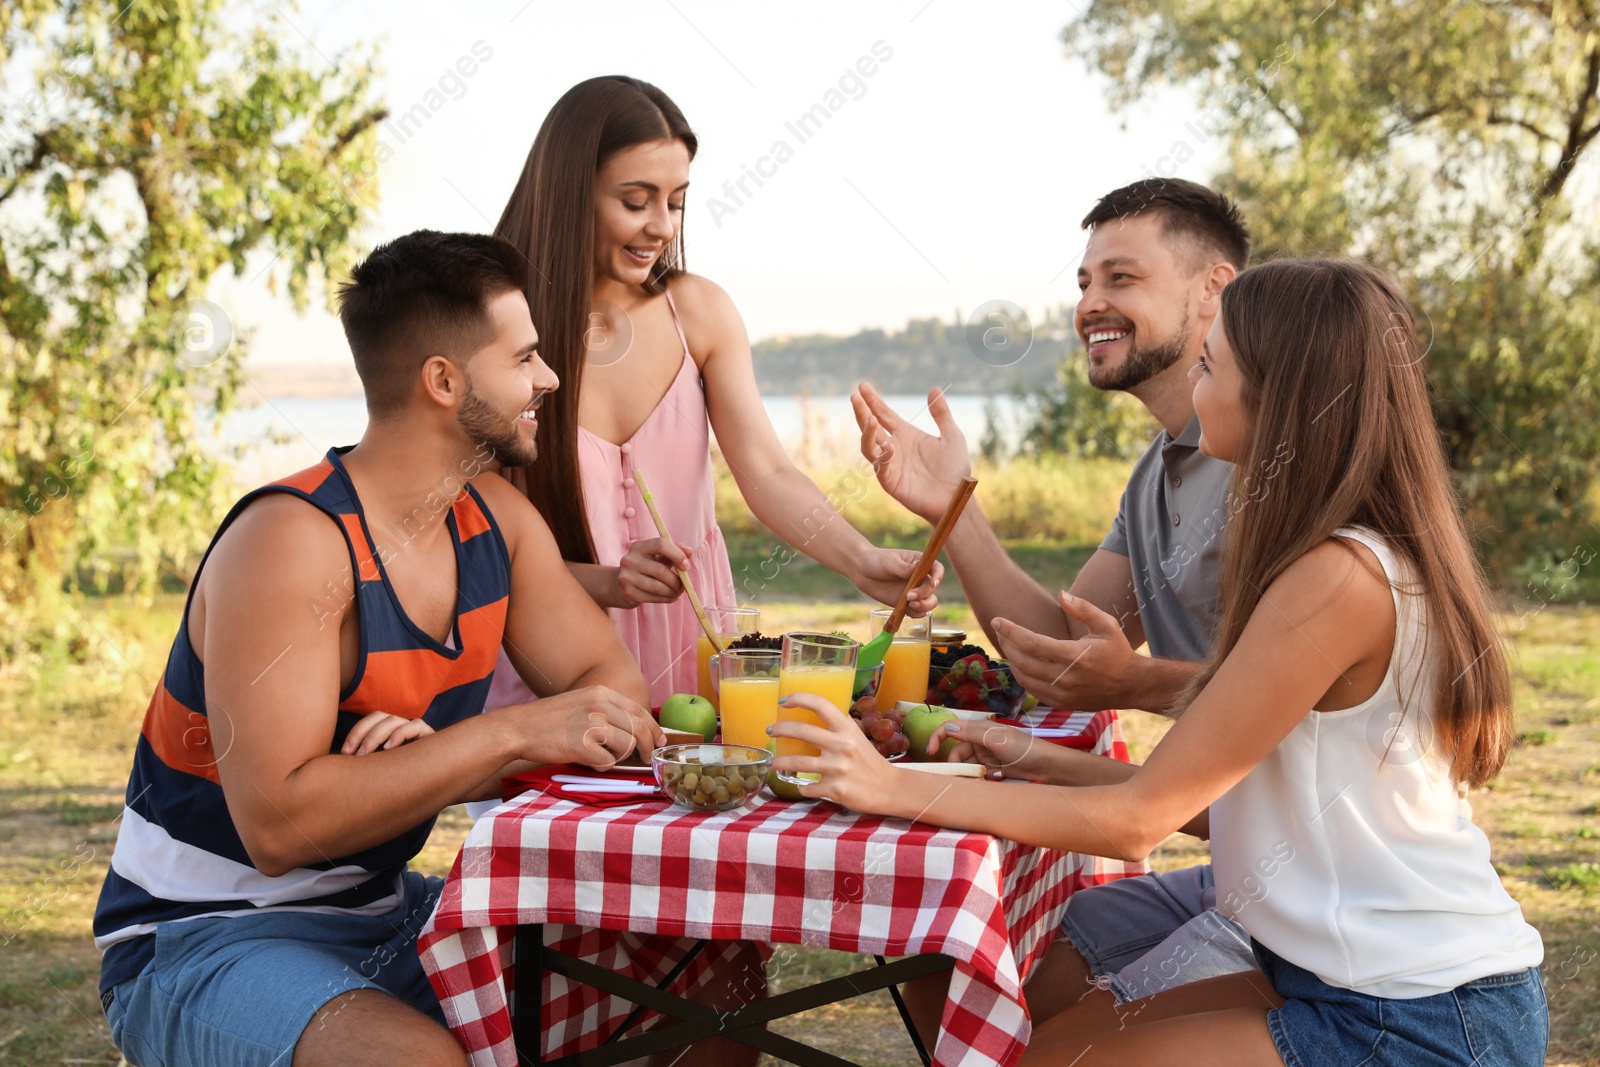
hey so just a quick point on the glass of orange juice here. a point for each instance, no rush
(821, 664)
(730, 623)
(747, 691)
(905, 664)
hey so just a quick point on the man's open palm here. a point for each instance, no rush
(917, 468)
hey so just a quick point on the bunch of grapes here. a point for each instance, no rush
(758, 640)
(884, 728)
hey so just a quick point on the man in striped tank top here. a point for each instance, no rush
(258, 909)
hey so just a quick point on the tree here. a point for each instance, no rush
(1450, 143)
(158, 145)
(1074, 418)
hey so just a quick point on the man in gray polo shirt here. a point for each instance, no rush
(1160, 252)
(1174, 508)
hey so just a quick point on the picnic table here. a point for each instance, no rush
(613, 913)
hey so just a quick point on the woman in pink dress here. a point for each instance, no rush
(646, 354)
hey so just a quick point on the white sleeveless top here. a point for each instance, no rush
(1366, 869)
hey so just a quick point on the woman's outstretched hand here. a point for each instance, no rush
(852, 773)
(1002, 751)
(883, 572)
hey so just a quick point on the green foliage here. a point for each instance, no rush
(1048, 498)
(1073, 418)
(1584, 877)
(1450, 144)
(992, 446)
(157, 146)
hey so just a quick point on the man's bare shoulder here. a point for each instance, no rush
(278, 538)
(499, 494)
(519, 521)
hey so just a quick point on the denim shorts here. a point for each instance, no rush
(1499, 1021)
(1142, 936)
(240, 990)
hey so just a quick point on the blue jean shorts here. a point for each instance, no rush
(240, 990)
(1499, 1021)
(1143, 936)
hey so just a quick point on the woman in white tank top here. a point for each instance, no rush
(1357, 690)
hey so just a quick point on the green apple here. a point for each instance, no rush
(783, 790)
(919, 725)
(690, 713)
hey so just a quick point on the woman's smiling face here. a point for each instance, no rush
(1217, 397)
(638, 208)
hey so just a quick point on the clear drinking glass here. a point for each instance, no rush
(905, 664)
(822, 664)
(730, 624)
(747, 691)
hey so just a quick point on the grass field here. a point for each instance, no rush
(66, 733)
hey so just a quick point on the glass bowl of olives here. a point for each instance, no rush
(705, 777)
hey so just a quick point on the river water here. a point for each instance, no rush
(281, 435)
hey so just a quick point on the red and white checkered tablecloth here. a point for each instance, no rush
(1093, 731)
(628, 887)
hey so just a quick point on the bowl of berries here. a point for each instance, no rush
(966, 679)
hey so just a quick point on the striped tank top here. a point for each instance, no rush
(178, 855)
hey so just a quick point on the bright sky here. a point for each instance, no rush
(954, 174)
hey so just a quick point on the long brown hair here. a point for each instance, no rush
(550, 219)
(1337, 403)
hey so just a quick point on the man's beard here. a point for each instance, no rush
(1142, 363)
(489, 429)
